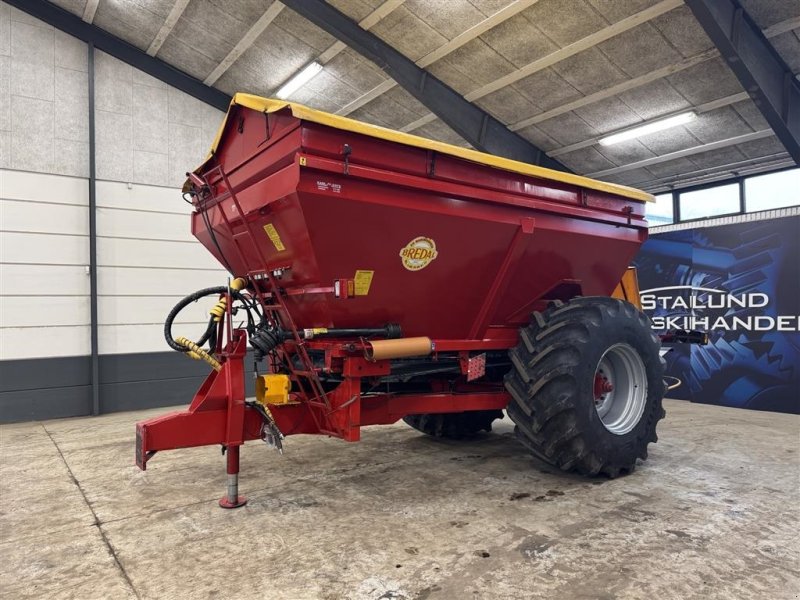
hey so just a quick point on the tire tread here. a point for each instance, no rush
(545, 396)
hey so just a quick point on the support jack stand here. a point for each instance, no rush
(218, 415)
(232, 499)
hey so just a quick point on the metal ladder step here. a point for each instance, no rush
(306, 377)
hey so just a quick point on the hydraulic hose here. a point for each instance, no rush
(197, 352)
(264, 338)
(216, 313)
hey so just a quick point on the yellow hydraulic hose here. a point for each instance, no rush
(197, 353)
(218, 311)
(219, 308)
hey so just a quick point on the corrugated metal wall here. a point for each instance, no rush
(44, 252)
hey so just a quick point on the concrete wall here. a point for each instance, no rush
(147, 131)
(147, 136)
(44, 120)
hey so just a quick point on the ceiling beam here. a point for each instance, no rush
(166, 28)
(650, 77)
(723, 176)
(462, 39)
(616, 90)
(738, 167)
(757, 65)
(243, 44)
(102, 40)
(699, 109)
(782, 27)
(739, 139)
(90, 10)
(367, 22)
(476, 126)
(572, 49)
(476, 30)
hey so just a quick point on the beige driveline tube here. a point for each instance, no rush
(383, 349)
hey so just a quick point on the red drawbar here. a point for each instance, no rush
(218, 414)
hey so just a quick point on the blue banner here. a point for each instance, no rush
(741, 284)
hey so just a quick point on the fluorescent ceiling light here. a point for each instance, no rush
(648, 128)
(299, 80)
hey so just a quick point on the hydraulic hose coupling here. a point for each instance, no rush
(218, 311)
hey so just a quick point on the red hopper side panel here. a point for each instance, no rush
(448, 248)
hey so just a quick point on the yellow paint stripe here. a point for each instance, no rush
(268, 105)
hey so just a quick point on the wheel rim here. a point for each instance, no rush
(620, 388)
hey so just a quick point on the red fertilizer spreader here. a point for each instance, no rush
(379, 276)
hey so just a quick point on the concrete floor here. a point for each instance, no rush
(714, 513)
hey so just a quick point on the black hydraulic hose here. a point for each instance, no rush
(210, 335)
(263, 338)
(212, 323)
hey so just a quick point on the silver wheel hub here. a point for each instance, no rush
(620, 388)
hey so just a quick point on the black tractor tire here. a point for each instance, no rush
(454, 426)
(552, 384)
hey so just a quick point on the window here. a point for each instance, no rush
(661, 211)
(709, 202)
(774, 190)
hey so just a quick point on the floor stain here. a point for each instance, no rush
(534, 546)
(466, 457)
(678, 533)
(425, 593)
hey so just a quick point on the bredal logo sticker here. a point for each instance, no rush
(418, 253)
(709, 309)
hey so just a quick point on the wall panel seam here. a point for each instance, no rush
(24, 232)
(144, 239)
(143, 210)
(40, 173)
(47, 202)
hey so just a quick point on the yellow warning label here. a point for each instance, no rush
(319, 330)
(303, 161)
(363, 280)
(274, 237)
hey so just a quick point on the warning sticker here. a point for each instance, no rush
(274, 237)
(363, 280)
(328, 186)
(310, 333)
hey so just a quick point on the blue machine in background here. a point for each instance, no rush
(741, 284)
